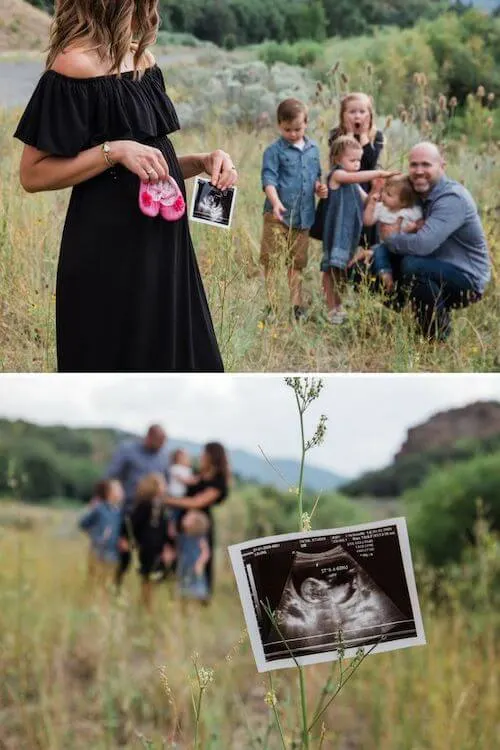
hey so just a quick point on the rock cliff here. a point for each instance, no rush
(479, 420)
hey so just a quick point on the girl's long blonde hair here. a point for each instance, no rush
(347, 99)
(111, 27)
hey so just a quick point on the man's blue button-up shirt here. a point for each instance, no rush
(452, 232)
(131, 462)
(294, 173)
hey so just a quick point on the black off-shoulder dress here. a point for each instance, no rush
(219, 483)
(129, 294)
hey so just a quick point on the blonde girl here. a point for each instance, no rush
(147, 529)
(357, 118)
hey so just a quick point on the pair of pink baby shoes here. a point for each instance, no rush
(164, 198)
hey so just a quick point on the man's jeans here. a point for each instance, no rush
(433, 286)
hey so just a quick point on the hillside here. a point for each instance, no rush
(22, 27)
(45, 462)
(448, 437)
(478, 421)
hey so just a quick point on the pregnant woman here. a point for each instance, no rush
(210, 489)
(129, 293)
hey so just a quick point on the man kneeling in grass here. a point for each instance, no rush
(445, 262)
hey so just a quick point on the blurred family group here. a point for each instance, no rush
(151, 504)
(416, 237)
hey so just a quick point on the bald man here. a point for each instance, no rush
(445, 263)
(132, 461)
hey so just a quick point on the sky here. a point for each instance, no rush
(368, 415)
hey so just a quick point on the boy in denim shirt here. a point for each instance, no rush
(291, 172)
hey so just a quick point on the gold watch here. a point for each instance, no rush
(106, 150)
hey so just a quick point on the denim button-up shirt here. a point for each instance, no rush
(293, 172)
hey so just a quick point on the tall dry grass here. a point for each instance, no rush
(373, 339)
(83, 671)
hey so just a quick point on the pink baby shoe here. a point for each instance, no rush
(172, 203)
(149, 198)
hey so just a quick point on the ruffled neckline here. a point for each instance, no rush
(111, 76)
(67, 115)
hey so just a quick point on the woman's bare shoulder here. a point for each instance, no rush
(77, 62)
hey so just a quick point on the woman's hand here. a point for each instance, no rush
(146, 162)
(219, 165)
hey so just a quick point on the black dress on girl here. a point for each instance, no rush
(148, 529)
(218, 483)
(129, 295)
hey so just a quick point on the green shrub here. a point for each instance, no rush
(264, 511)
(442, 512)
(308, 52)
(301, 53)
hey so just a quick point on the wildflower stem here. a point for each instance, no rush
(327, 689)
(341, 684)
(303, 703)
(197, 712)
(302, 460)
(197, 706)
(275, 711)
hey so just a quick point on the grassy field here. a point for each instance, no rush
(81, 670)
(372, 340)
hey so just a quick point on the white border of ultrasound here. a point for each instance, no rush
(219, 225)
(248, 596)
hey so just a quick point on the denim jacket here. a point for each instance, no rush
(102, 524)
(293, 173)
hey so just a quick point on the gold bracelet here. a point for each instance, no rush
(106, 149)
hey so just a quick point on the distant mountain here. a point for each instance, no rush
(280, 473)
(284, 474)
(60, 460)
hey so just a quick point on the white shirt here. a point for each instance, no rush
(176, 488)
(385, 216)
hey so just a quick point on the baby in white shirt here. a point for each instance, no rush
(397, 201)
(180, 476)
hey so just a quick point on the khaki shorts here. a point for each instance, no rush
(279, 240)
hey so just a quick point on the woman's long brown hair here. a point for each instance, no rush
(111, 27)
(218, 459)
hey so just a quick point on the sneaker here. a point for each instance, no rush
(299, 313)
(337, 316)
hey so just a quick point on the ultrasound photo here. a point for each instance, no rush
(211, 205)
(307, 594)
